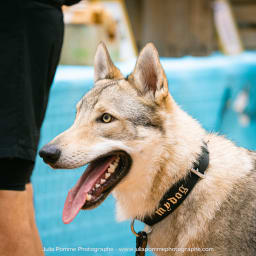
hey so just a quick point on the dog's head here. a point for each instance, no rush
(118, 127)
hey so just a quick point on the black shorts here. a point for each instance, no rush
(31, 36)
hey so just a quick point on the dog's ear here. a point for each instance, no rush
(148, 75)
(103, 65)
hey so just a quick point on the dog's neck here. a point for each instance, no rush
(168, 162)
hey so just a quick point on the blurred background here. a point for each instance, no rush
(207, 49)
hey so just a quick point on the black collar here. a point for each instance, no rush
(180, 190)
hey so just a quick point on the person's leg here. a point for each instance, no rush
(18, 234)
(31, 213)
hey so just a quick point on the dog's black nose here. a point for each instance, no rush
(50, 154)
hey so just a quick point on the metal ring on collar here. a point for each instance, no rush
(133, 230)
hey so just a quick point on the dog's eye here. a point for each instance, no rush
(106, 118)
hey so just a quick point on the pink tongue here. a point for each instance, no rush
(77, 195)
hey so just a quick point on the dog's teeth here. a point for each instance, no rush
(107, 175)
(102, 181)
(97, 185)
(111, 170)
(88, 197)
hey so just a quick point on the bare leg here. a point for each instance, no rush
(17, 230)
(31, 212)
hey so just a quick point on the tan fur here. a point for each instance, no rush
(163, 142)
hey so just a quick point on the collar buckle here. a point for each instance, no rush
(199, 174)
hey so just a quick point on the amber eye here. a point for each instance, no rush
(106, 118)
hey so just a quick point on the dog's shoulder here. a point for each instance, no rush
(235, 222)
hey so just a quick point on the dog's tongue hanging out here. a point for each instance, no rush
(77, 195)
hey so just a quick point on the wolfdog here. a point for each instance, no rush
(138, 143)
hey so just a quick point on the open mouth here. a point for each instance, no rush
(98, 180)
